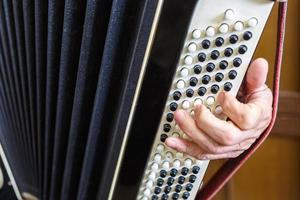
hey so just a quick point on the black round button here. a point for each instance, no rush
(173, 106)
(175, 196)
(167, 127)
(233, 39)
(163, 173)
(176, 95)
(184, 171)
(205, 79)
(190, 93)
(247, 35)
(154, 197)
(219, 77)
(167, 189)
(215, 54)
(173, 173)
(160, 182)
(164, 197)
(192, 178)
(243, 49)
(185, 195)
(205, 44)
(197, 69)
(228, 52)
(170, 117)
(178, 188)
(201, 91)
(193, 81)
(196, 169)
(227, 86)
(201, 57)
(219, 42)
(189, 187)
(214, 89)
(237, 62)
(223, 64)
(170, 181)
(210, 67)
(163, 137)
(232, 74)
(157, 190)
(181, 179)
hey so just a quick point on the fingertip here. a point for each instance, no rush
(225, 98)
(171, 142)
(257, 74)
(175, 143)
(261, 61)
(179, 115)
(198, 107)
(199, 110)
(221, 97)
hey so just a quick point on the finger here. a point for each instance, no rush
(192, 149)
(220, 130)
(246, 116)
(232, 154)
(188, 125)
(256, 75)
(184, 146)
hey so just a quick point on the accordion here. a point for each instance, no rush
(85, 88)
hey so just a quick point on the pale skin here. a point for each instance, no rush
(249, 115)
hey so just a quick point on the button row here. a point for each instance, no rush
(227, 53)
(219, 41)
(165, 196)
(173, 172)
(209, 68)
(205, 80)
(201, 92)
(224, 28)
(190, 93)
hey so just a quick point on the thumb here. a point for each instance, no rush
(256, 75)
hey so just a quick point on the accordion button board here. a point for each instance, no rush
(221, 40)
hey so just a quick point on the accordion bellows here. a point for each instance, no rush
(68, 74)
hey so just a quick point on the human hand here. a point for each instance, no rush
(213, 138)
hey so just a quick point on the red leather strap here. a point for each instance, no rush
(231, 166)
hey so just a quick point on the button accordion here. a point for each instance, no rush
(88, 90)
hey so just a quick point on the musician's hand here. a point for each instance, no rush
(213, 138)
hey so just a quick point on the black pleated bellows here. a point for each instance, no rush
(68, 74)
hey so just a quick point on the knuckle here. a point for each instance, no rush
(247, 120)
(228, 139)
(187, 149)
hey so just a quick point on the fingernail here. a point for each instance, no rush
(171, 142)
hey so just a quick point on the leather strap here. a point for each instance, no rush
(232, 165)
